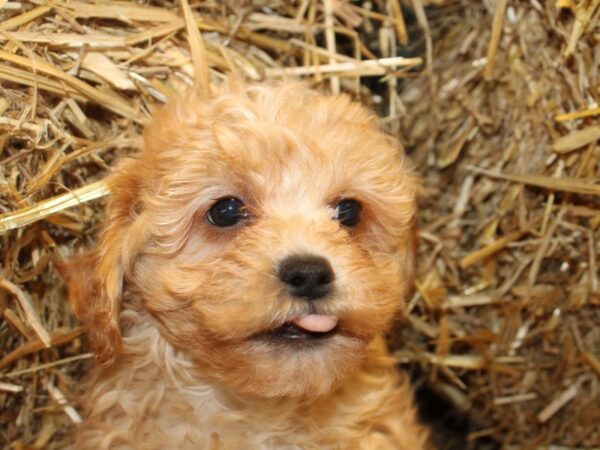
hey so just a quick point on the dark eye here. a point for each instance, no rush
(227, 212)
(347, 212)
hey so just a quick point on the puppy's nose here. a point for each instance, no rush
(307, 276)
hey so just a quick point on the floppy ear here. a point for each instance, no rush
(96, 277)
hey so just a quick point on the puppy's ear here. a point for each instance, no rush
(96, 278)
(93, 305)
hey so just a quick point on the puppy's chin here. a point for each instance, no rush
(269, 365)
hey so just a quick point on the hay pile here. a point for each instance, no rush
(499, 112)
(508, 299)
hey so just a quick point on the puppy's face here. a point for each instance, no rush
(268, 231)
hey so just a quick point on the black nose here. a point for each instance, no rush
(306, 276)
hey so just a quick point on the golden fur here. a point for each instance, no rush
(178, 309)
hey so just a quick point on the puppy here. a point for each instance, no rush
(253, 255)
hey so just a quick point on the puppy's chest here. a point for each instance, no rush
(194, 419)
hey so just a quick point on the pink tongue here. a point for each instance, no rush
(316, 323)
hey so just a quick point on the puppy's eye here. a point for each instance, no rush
(227, 212)
(347, 212)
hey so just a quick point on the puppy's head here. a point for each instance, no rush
(268, 231)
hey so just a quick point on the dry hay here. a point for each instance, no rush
(501, 119)
(508, 302)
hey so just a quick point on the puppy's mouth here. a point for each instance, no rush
(309, 327)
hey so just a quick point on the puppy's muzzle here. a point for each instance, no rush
(306, 276)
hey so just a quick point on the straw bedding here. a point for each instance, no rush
(497, 103)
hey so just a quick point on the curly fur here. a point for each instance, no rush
(178, 309)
